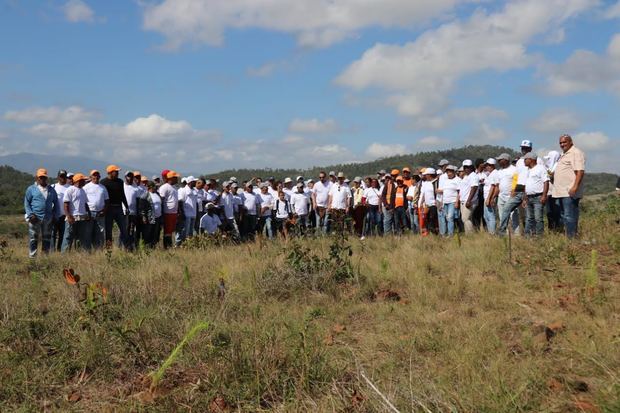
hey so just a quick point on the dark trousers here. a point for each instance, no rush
(115, 214)
(432, 220)
(151, 232)
(359, 213)
(400, 219)
(58, 233)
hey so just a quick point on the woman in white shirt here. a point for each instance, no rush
(450, 198)
(372, 200)
(150, 213)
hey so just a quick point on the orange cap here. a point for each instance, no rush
(144, 178)
(112, 168)
(78, 177)
(41, 172)
(395, 172)
(94, 171)
(399, 178)
(136, 173)
(406, 169)
(172, 174)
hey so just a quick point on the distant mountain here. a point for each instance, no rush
(30, 162)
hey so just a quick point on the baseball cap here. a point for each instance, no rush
(340, 174)
(491, 161)
(299, 178)
(439, 172)
(443, 162)
(79, 177)
(461, 169)
(468, 162)
(504, 156)
(430, 171)
(137, 173)
(210, 205)
(172, 174)
(399, 178)
(451, 168)
(332, 173)
(41, 172)
(164, 173)
(154, 177)
(406, 169)
(70, 175)
(112, 168)
(346, 181)
(526, 143)
(234, 185)
(357, 179)
(128, 173)
(191, 178)
(395, 172)
(264, 185)
(382, 172)
(62, 172)
(143, 178)
(530, 155)
(288, 180)
(184, 180)
(94, 171)
(310, 181)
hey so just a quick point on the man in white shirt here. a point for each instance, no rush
(210, 221)
(77, 215)
(98, 202)
(511, 193)
(132, 194)
(491, 182)
(170, 206)
(568, 184)
(428, 202)
(58, 229)
(320, 196)
(468, 193)
(250, 211)
(266, 208)
(339, 202)
(187, 210)
(372, 199)
(300, 203)
(441, 216)
(227, 205)
(536, 189)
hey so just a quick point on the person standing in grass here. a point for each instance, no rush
(187, 210)
(300, 204)
(131, 211)
(428, 202)
(320, 194)
(77, 225)
(491, 182)
(116, 193)
(150, 214)
(98, 204)
(170, 206)
(41, 206)
(469, 195)
(536, 189)
(339, 203)
(250, 208)
(388, 199)
(359, 209)
(266, 211)
(449, 199)
(58, 228)
(283, 215)
(568, 184)
(372, 196)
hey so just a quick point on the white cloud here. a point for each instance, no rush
(77, 11)
(486, 134)
(313, 126)
(585, 71)
(315, 23)
(431, 142)
(613, 12)
(557, 121)
(53, 114)
(262, 71)
(418, 77)
(380, 150)
(591, 141)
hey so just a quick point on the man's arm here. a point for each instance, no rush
(27, 204)
(578, 178)
(472, 193)
(543, 199)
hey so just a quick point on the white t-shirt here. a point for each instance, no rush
(536, 179)
(131, 193)
(491, 179)
(373, 196)
(170, 198)
(428, 193)
(451, 190)
(156, 204)
(227, 201)
(505, 177)
(341, 194)
(266, 201)
(251, 202)
(282, 208)
(321, 191)
(467, 184)
(210, 223)
(60, 191)
(97, 194)
(201, 195)
(77, 199)
(300, 203)
(523, 172)
(211, 195)
(187, 195)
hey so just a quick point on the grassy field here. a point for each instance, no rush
(433, 324)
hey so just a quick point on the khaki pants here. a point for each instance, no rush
(467, 215)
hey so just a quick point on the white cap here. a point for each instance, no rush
(233, 179)
(468, 162)
(526, 143)
(491, 161)
(300, 178)
(430, 171)
(191, 178)
(210, 205)
(288, 180)
(443, 162)
(183, 180)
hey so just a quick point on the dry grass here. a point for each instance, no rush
(470, 333)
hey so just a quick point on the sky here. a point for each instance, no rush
(207, 85)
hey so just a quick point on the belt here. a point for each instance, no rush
(535, 195)
(80, 217)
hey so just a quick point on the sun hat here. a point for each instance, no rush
(191, 178)
(357, 179)
(233, 179)
(288, 180)
(382, 172)
(234, 185)
(41, 172)
(461, 169)
(340, 174)
(144, 179)
(399, 178)
(299, 178)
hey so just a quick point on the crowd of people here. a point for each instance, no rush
(493, 195)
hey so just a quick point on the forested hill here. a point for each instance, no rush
(13, 184)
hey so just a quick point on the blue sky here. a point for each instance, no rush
(204, 85)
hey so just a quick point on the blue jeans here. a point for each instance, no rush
(115, 214)
(441, 217)
(42, 229)
(265, 225)
(78, 231)
(510, 206)
(186, 230)
(534, 212)
(373, 220)
(569, 211)
(388, 220)
(489, 218)
(449, 214)
(97, 231)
